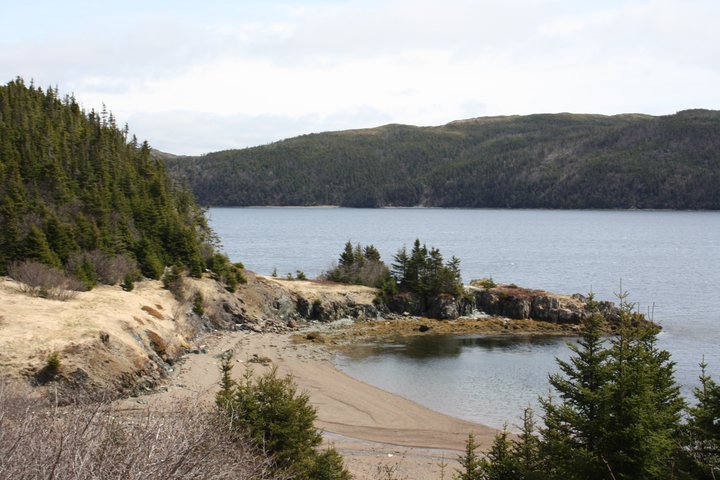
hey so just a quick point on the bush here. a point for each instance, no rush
(281, 420)
(198, 303)
(97, 266)
(173, 280)
(359, 265)
(86, 442)
(231, 274)
(129, 281)
(52, 364)
(40, 280)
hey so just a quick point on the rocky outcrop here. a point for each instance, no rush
(272, 304)
(522, 303)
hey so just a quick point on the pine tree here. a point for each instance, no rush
(526, 450)
(641, 431)
(701, 435)
(619, 410)
(575, 426)
(499, 463)
(470, 461)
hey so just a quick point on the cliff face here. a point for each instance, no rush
(521, 303)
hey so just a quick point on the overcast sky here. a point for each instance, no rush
(194, 77)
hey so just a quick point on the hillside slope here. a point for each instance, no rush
(535, 161)
(71, 182)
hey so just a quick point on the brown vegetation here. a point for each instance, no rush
(95, 441)
(39, 280)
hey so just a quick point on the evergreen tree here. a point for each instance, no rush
(499, 463)
(526, 450)
(701, 435)
(619, 410)
(69, 182)
(470, 461)
(281, 421)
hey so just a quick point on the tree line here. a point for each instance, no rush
(76, 194)
(534, 161)
(422, 272)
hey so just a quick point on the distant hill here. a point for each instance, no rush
(72, 182)
(534, 161)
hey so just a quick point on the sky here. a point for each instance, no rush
(196, 77)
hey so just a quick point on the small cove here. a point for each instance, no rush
(668, 261)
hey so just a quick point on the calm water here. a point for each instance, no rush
(668, 261)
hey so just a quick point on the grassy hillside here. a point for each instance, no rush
(535, 161)
(72, 183)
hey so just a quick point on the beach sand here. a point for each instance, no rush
(376, 432)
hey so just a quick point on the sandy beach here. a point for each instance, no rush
(374, 430)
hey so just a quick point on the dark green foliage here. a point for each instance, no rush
(424, 272)
(128, 283)
(70, 182)
(198, 303)
(469, 462)
(328, 465)
(535, 161)
(53, 364)
(617, 415)
(231, 274)
(281, 421)
(172, 280)
(361, 266)
(499, 463)
(702, 432)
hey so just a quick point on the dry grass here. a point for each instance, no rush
(94, 441)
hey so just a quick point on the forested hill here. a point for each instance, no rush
(72, 183)
(535, 161)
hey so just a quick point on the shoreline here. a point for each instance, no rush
(373, 429)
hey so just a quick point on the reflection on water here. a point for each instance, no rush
(486, 379)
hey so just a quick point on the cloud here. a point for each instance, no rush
(197, 133)
(261, 71)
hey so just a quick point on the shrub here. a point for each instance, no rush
(486, 283)
(173, 280)
(281, 420)
(96, 266)
(198, 303)
(359, 265)
(129, 281)
(231, 274)
(52, 364)
(40, 280)
(92, 441)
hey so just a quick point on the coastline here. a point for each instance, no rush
(373, 429)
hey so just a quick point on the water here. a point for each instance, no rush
(668, 261)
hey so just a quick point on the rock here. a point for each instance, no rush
(443, 307)
(292, 323)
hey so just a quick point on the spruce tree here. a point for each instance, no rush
(618, 414)
(574, 427)
(701, 434)
(470, 461)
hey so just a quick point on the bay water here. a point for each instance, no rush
(668, 261)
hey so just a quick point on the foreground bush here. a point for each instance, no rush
(280, 420)
(96, 442)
